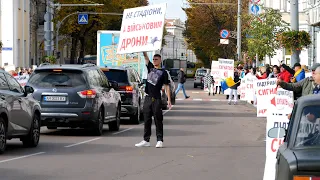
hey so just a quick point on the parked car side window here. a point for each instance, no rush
(308, 133)
(132, 76)
(13, 84)
(104, 79)
(3, 82)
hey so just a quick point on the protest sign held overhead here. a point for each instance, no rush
(266, 90)
(142, 29)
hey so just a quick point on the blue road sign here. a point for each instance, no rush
(255, 9)
(7, 49)
(82, 18)
(224, 34)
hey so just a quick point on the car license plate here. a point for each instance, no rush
(55, 98)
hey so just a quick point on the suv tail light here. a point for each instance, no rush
(87, 94)
(126, 88)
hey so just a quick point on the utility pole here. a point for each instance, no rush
(48, 28)
(294, 20)
(239, 31)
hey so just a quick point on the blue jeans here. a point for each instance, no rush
(181, 86)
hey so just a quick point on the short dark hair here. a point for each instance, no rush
(157, 55)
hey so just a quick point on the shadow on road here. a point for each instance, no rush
(167, 133)
(197, 122)
(211, 114)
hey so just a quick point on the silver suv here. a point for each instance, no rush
(199, 77)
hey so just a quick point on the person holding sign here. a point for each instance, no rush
(157, 77)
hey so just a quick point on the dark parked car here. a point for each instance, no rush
(130, 89)
(164, 96)
(174, 73)
(19, 113)
(298, 157)
(73, 95)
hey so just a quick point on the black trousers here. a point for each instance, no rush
(152, 107)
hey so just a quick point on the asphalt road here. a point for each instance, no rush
(204, 139)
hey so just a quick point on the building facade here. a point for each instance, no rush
(176, 47)
(15, 33)
(284, 7)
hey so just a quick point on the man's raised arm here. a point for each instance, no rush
(146, 58)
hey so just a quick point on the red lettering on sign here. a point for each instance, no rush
(250, 86)
(262, 111)
(275, 144)
(133, 42)
(263, 92)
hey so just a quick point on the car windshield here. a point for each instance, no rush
(308, 130)
(201, 72)
(118, 76)
(174, 72)
(61, 78)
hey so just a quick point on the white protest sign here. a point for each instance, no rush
(142, 29)
(283, 101)
(226, 68)
(250, 91)
(22, 80)
(215, 72)
(274, 139)
(242, 89)
(266, 89)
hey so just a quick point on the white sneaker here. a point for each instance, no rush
(159, 144)
(143, 144)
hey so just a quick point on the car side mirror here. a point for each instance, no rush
(277, 132)
(28, 90)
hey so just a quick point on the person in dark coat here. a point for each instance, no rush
(181, 80)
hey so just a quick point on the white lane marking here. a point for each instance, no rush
(164, 112)
(197, 99)
(22, 157)
(179, 99)
(123, 131)
(193, 92)
(83, 142)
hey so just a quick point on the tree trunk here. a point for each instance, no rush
(75, 40)
(82, 41)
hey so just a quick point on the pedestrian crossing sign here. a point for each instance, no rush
(82, 18)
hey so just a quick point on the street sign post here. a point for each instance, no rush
(82, 18)
(255, 9)
(224, 34)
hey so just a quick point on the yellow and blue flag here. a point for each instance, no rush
(227, 83)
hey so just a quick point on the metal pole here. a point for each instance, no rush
(294, 20)
(173, 47)
(239, 31)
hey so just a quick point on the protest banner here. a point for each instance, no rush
(266, 90)
(215, 72)
(142, 29)
(249, 90)
(226, 68)
(22, 80)
(242, 89)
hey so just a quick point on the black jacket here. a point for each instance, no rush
(236, 79)
(181, 77)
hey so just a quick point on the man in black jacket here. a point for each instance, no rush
(182, 77)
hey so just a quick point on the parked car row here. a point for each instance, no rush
(75, 96)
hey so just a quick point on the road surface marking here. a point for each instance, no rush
(164, 112)
(195, 92)
(197, 99)
(83, 142)
(21, 157)
(123, 131)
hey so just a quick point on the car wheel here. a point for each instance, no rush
(115, 125)
(32, 139)
(3, 136)
(98, 127)
(135, 118)
(195, 86)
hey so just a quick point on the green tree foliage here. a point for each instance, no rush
(204, 25)
(262, 32)
(86, 34)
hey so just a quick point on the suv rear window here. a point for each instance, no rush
(118, 76)
(63, 78)
(201, 72)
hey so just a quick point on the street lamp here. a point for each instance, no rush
(60, 22)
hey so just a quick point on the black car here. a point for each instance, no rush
(19, 113)
(73, 95)
(130, 89)
(298, 157)
(174, 73)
